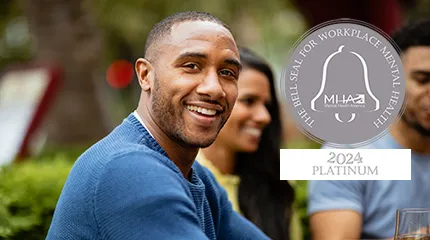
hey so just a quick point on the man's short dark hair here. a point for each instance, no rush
(163, 28)
(413, 34)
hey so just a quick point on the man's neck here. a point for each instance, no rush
(221, 157)
(409, 138)
(183, 157)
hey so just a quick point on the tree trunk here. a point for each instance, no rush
(65, 34)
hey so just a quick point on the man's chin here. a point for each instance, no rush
(196, 141)
(203, 143)
(201, 139)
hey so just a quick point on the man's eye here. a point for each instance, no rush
(227, 73)
(192, 66)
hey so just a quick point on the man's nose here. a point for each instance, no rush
(211, 86)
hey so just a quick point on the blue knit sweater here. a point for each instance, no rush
(125, 187)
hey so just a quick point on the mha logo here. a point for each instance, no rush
(345, 83)
(336, 100)
(341, 102)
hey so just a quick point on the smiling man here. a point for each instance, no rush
(141, 181)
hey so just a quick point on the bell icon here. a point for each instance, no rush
(345, 89)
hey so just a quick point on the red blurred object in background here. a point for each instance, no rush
(120, 73)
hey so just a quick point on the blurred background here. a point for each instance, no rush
(88, 49)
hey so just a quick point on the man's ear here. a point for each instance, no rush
(145, 73)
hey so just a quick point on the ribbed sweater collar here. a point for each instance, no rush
(147, 139)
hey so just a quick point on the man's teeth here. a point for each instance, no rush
(205, 111)
(253, 131)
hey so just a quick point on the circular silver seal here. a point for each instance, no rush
(344, 83)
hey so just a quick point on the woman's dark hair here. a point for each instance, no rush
(263, 198)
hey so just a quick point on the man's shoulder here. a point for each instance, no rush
(108, 157)
(129, 155)
(144, 158)
(106, 150)
(141, 166)
(125, 140)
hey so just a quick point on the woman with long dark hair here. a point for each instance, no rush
(245, 156)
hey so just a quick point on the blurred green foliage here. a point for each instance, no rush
(28, 194)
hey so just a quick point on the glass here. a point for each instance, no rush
(412, 224)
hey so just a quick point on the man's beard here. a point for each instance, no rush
(171, 122)
(414, 124)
